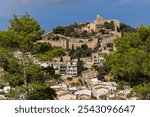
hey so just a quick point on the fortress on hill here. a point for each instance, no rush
(96, 26)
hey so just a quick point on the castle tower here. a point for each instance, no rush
(99, 19)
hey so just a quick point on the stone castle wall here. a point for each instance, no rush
(68, 43)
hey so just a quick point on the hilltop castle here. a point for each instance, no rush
(96, 26)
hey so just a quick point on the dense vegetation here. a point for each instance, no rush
(109, 25)
(74, 31)
(22, 33)
(45, 52)
(131, 62)
(82, 51)
(27, 80)
(126, 28)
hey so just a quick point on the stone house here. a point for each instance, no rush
(98, 58)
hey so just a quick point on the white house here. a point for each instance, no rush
(72, 68)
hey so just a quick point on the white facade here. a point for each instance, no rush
(72, 68)
(69, 68)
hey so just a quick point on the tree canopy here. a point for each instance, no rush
(26, 79)
(41, 92)
(131, 61)
(24, 31)
(142, 91)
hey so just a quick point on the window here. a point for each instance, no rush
(95, 56)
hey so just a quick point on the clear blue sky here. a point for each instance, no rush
(51, 13)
